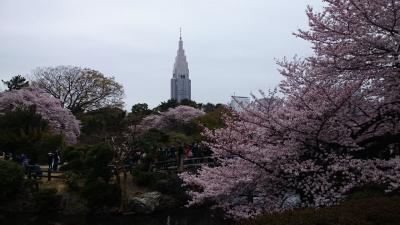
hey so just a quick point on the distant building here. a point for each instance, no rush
(239, 102)
(180, 82)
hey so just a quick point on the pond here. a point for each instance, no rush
(183, 217)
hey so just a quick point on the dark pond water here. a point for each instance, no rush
(183, 217)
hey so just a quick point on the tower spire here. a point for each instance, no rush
(180, 82)
(181, 65)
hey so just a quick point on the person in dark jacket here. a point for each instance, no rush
(50, 158)
(56, 160)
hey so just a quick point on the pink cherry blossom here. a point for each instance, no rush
(179, 114)
(61, 120)
(333, 126)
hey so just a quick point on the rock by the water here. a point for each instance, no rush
(145, 203)
(150, 202)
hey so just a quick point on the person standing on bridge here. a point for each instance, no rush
(56, 160)
(180, 151)
(188, 152)
(50, 158)
(24, 160)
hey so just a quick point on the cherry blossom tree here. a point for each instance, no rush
(179, 114)
(335, 128)
(60, 119)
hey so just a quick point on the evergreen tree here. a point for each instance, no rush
(16, 83)
(23, 131)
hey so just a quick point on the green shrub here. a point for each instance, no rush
(71, 153)
(89, 161)
(47, 200)
(72, 180)
(76, 166)
(25, 131)
(100, 194)
(169, 184)
(145, 178)
(172, 185)
(11, 179)
(97, 160)
(74, 158)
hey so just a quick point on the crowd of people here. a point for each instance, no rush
(31, 166)
(186, 151)
(173, 153)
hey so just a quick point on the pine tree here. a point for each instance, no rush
(16, 83)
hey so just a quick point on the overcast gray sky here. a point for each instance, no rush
(231, 45)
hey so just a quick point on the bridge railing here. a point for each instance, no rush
(38, 172)
(183, 163)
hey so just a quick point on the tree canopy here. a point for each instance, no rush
(61, 120)
(102, 124)
(23, 131)
(79, 89)
(333, 127)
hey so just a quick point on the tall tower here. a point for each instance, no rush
(180, 82)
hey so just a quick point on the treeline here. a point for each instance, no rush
(78, 113)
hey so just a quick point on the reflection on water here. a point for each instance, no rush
(181, 217)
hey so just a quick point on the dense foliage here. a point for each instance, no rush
(100, 194)
(12, 179)
(170, 118)
(23, 131)
(89, 173)
(165, 129)
(172, 103)
(61, 120)
(101, 124)
(89, 161)
(371, 211)
(165, 183)
(335, 128)
(97, 160)
(47, 200)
